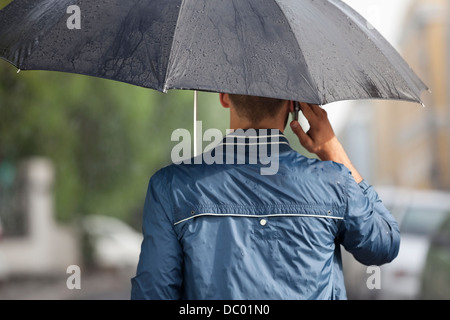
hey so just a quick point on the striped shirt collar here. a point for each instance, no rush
(255, 137)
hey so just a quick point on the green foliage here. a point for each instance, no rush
(105, 138)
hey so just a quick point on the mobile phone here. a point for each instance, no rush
(296, 111)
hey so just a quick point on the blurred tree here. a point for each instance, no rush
(106, 138)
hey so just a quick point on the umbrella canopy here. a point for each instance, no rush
(315, 51)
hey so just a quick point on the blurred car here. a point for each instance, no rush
(425, 243)
(436, 276)
(113, 243)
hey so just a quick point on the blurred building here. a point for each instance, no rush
(406, 147)
(33, 243)
(412, 144)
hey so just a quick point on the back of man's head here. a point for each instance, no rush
(256, 109)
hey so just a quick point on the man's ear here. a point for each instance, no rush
(225, 100)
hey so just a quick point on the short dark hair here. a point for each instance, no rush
(254, 108)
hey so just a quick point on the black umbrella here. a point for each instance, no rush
(316, 51)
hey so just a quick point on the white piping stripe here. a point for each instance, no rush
(249, 144)
(255, 137)
(258, 216)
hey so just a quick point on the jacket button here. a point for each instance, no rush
(263, 222)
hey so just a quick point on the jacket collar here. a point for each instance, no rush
(256, 137)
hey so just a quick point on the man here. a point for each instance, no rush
(225, 231)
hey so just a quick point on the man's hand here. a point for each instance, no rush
(320, 135)
(320, 138)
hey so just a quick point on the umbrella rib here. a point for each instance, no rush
(169, 61)
(314, 87)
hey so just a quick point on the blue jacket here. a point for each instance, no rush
(220, 231)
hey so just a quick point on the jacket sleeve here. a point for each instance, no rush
(159, 270)
(369, 231)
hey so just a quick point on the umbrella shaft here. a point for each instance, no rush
(196, 153)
